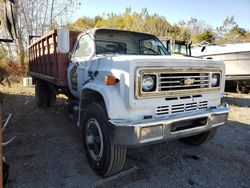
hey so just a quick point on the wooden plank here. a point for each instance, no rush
(35, 60)
(48, 57)
(56, 54)
(39, 57)
(1, 150)
(43, 37)
(43, 57)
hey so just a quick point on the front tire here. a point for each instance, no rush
(105, 159)
(199, 139)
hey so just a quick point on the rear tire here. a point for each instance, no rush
(41, 94)
(104, 158)
(242, 89)
(51, 96)
(199, 139)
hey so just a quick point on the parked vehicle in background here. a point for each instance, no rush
(237, 60)
(176, 47)
(125, 90)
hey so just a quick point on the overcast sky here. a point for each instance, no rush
(212, 11)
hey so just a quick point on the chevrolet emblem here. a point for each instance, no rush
(189, 81)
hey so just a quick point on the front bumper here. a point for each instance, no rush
(149, 131)
(238, 77)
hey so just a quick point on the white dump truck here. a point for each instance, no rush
(125, 90)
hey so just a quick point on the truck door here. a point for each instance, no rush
(80, 64)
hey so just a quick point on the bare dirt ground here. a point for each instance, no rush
(48, 152)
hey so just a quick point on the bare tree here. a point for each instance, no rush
(34, 17)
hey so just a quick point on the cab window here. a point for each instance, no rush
(83, 47)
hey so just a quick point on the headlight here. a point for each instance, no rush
(148, 83)
(215, 81)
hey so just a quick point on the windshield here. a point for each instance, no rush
(125, 42)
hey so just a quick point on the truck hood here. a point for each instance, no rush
(158, 61)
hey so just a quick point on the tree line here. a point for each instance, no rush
(37, 17)
(192, 30)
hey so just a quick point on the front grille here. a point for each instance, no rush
(177, 82)
(179, 108)
(183, 81)
(162, 110)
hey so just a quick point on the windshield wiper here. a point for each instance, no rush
(151, 50)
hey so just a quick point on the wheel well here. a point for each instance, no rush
(90, 96)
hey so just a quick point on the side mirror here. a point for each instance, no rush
(63, 40)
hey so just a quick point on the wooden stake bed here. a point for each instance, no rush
(45, 62)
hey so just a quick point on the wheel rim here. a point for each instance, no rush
(94, 139)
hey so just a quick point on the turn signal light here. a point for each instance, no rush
(110, 80)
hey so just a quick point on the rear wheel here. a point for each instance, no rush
(41, 94)
(104, 158)
(51, 96)
(243, 90)
(199, 139)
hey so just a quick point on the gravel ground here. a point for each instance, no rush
(48, 152)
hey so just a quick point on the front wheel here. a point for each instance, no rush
(199, 139)
(104, 158)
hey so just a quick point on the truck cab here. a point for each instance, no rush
(103, 45)
(126, 90)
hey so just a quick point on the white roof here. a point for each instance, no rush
(222, 49)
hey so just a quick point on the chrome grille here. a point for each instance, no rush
(179, 108)
(177, 82)
(183, 81)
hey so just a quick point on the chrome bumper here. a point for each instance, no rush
(237, 77)
(149, 131)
